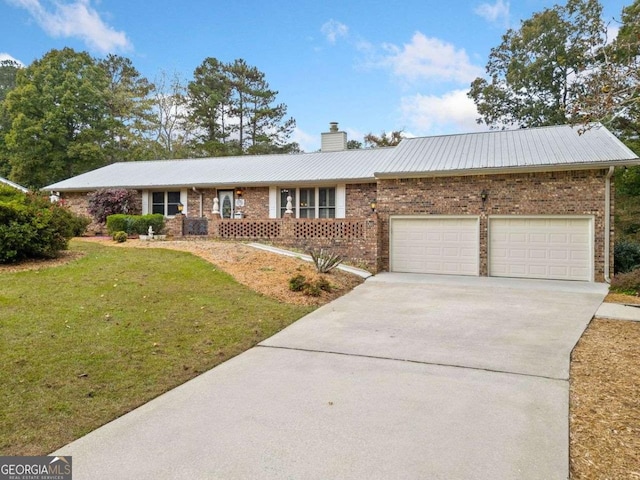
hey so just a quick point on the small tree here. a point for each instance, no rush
(105, 202)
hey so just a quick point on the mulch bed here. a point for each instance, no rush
(605, 401)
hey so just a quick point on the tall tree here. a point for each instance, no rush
(235, 108)
(129, 113)
(173, 128)
(610, 94)
(535, 73)
(58, 111)
(210, 102)
(384, 140)
(8, 72)
(267, 129)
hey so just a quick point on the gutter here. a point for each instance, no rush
(607, 224)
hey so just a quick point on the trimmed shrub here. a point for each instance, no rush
(323, 284)
(33, 227)
(626, 256)
(297, 283)
(105, 202)
(628, 283)
(120, 237)
(135, 224)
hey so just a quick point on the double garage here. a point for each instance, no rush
(546, 247)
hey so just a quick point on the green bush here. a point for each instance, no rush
(120, 237)
(297, 283)
(323, 284)
(312, 289)
(626, 256)
(628, 283)
(33, 227)
(135, 224)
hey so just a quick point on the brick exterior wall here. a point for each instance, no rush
(256, 202)
(551, 193)
(78, 202)
(358, 199)
(545, 193)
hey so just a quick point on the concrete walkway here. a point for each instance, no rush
(619, 312)
(406, 377)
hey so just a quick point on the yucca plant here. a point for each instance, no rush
(325, 261)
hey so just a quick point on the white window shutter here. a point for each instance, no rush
(145, 202)
(341, 201)
(273, 202)
(184, 197)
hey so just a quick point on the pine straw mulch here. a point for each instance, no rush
(605, 365)
(265, 272)
(605, 400)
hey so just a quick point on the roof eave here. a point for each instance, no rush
(507, 170)
(218, 185)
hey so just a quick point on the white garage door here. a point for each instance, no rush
(536, 247)
(446, 245)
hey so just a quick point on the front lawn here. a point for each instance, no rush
(87, 341)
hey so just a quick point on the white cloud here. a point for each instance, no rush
(5, 56)
(430, 59)
(494, 13)
(76, 19)
(307, 142)
(332, 30)
(452, 112)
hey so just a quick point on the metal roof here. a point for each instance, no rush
(543, 148)
(14, 185)
(348, 166)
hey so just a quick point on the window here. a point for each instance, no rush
(327, 203)
(165, 203)
(309, 202)
(284, 193)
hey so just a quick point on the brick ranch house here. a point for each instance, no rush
(532, 203)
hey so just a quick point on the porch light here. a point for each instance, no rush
(483, 195)
(180, 207)
(373, 206)
(239, 191)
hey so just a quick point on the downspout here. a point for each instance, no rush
(607, 225)
(199, 193)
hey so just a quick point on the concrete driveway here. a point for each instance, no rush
(406, 377)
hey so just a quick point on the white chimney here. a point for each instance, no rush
(333, 140)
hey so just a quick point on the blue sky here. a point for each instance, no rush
(367, 64)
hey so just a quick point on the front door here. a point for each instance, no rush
(226, 203)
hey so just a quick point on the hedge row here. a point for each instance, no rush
(135, 224)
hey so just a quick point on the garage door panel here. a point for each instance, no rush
(532, 247)
(447, 245)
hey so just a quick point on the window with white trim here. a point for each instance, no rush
(165, 203)
(314, 202)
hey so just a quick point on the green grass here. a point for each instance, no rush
(83, 343)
